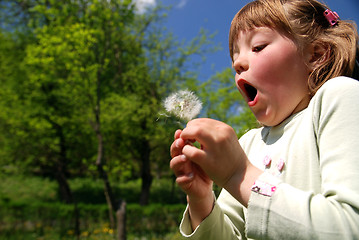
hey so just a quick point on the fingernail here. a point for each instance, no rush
(190, 175)
(183, 157)
(177, 143)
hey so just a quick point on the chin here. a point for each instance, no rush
(262, 119)
(267, 122)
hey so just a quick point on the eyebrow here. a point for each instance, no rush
(250, 35)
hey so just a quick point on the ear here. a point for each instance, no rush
(316, 55)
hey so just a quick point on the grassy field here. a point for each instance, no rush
(29, 209)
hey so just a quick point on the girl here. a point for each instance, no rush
(297, 177)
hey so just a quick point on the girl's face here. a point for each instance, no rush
(271, 74)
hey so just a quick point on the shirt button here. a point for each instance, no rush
(267, 161)
(280, 165)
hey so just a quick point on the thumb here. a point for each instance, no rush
(194, 154)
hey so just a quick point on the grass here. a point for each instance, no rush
(85, 235)
(29, 209)
(85, 190)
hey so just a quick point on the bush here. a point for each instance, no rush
(86, 190)
(38, 217)
(29, 209)
(162, 191)
(155, 218)
(14, 188)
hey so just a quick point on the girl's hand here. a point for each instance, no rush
(189, 176)
(193, 181)
(221, 157)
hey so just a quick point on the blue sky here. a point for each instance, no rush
(187, 17)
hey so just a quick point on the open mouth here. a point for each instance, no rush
(250, 91)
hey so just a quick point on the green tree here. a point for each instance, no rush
(93, 75)
(77, 60)
(95, 65)
(76, 64)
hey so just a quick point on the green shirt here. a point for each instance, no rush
(316, 192)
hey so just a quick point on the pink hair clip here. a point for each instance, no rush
(331, 16)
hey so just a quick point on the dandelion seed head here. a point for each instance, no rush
(183, 104)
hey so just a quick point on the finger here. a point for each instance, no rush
(209, 132)
(177, 133)
(194, 154)
(183, 180)
(176, 147)
(198, 130)
(177, 163)
(181, 166)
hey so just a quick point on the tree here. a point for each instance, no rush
(76, 65)
(93, 75)
(81, 52)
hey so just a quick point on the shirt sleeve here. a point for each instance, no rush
(291, 213)
(217, 225)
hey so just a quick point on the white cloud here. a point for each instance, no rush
(182, 3)
(143, 5)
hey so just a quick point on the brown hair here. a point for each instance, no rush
(304, 22)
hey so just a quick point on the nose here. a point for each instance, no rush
(240, 64)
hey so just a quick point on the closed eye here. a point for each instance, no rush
(258, 48)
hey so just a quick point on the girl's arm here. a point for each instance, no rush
(193, 181)
(221, 157)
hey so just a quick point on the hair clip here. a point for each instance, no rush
(331, 16)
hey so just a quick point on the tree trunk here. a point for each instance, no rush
(65, 193)
(103, 175)
(146, 185)
(110, 199)
(60, 176)
(121, 221)
(145, 173)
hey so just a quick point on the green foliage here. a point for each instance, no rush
(74, 69)
(26, 189)
(28, 205)
(38, 218)
(96, 58)
(163, 191)
(85, 190)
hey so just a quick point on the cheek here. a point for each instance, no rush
(274, 68)
(267, 69)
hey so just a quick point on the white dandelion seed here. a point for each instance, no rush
(183, 104)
